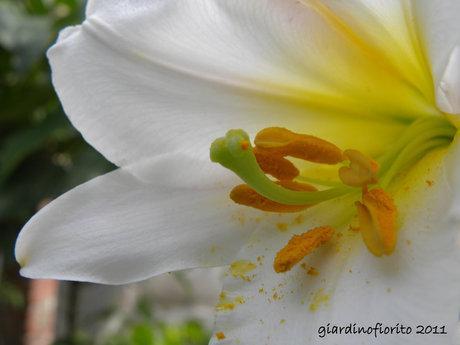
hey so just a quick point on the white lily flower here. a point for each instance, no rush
(152, 83)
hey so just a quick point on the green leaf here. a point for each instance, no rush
(142, 335)
(10, 294)
(21, 144)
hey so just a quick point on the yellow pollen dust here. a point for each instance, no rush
(283, 142)
(220, 335)
(301, 245)
(247, 196)
(226, 304)
(377, 216)
(240, 269)
(362, 170)
(320, 298)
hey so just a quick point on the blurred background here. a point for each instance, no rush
(41, 157)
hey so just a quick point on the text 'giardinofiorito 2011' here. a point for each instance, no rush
(380, 329)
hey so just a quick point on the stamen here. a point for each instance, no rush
(362, 170)
(245, 195)
(377, 216)
(300, 246)
(286, 143)
(377, 212)
(229, 152)
(275, 165)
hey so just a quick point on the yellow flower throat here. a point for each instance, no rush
(361, 176)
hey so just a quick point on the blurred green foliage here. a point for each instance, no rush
(141, 327)
(150, 333)
(41, 154)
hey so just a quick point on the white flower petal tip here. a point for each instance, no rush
(448, 88)
(117, 229)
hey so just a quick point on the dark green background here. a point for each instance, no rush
(42, 156)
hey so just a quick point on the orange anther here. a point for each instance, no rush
(283, 142)
(275, 165)
(377, 216)
(301, 245)
(245, 195)
(362, 170)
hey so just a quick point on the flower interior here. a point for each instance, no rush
(274, 183)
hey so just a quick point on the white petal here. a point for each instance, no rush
(117, 229)
(439, 22)
(448, 88)
(417, 285)
(453, 178)
(140, 78)
(385, 30)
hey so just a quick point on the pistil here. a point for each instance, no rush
(229, 152)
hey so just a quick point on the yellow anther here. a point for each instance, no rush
(377, 216)
(275, 165)
(283, 142)
(362, 170)
(245, 195)
(301, 245)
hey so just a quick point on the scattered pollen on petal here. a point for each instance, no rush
(275, 165)
(226, 304)
(312, 271)
(301, 245)
(240, 269)
(282, 227)
(377, 216)
(220, 335)
(318, 299)
(283, 142)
